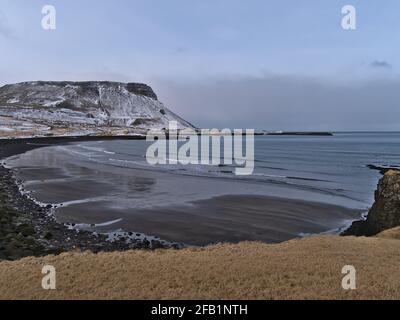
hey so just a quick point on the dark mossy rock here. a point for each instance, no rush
(385, 212)
(25, 229)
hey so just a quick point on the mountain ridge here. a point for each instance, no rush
(52, 108)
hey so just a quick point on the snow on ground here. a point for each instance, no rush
(81, 108)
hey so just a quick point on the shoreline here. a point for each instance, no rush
(59, 237)
(223, 219)
(29, 229)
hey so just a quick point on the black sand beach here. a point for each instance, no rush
(231, 218)
(226, 218)
(28, 229)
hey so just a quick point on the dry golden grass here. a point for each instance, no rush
(390, 234)
(299, 269)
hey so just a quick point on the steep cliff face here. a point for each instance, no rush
(385, 213)
(64, 108)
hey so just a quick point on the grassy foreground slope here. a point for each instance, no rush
(299, 269)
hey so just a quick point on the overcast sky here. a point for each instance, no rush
(270, 64)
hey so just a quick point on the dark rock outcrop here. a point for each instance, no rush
(385, 213)
(91, 87)
(141, 89)
(382, 169)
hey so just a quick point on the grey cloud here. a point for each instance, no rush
(380, 64)
(5, 31)
(284, 103)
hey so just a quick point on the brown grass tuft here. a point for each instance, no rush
(390, 234)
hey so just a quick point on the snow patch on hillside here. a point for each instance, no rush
(94, 107)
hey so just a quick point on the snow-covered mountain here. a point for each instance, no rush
(45, 108)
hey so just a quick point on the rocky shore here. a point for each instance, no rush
(385, 212)
(27, 229)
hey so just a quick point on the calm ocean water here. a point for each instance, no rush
(109, 184)
(321, 168)
(329, 169)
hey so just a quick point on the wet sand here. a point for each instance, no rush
(144, 204)
(28, 229)
(231, 218)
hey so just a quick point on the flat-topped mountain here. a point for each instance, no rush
(46, 108)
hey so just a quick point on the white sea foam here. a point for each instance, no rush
(81, 201)
(101, 150)
(335, 231)
(94, 225)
